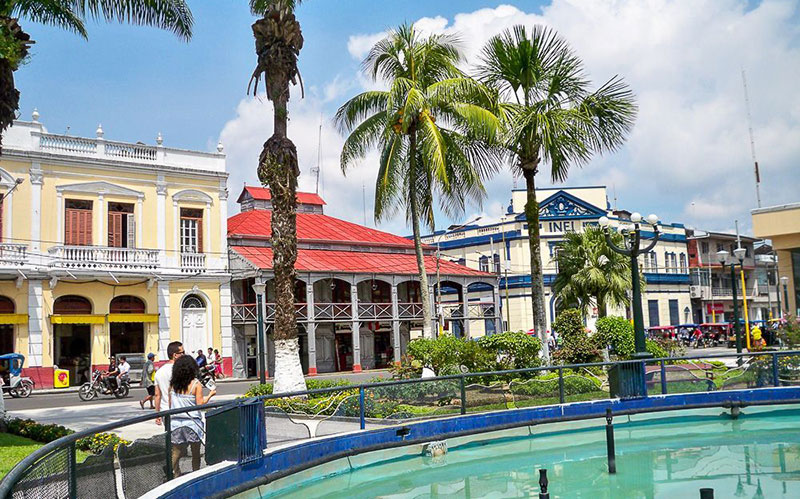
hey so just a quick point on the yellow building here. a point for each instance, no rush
(781, 224)
(109, 248)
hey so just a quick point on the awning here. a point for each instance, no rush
(13, 318)
(132, 317)
(77, 319)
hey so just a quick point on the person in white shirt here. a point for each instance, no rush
(123, 369)
(164, 376)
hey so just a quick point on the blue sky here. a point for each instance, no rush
(687, 159)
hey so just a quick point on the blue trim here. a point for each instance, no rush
(652, 278)
(475, 240)
(595, 211)
(319, 451)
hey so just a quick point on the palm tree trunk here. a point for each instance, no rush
(601, 306)
(537, 277)
(427, 321)
(278, 169)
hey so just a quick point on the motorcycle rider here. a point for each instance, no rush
(123, 369)
(109, 378)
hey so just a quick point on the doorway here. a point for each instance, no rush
(127, 337)
(193, 329)
(6, 338)
(344, 351)
(71, 347)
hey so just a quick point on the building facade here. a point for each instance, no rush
(109, 248)
(781, 225)
(712, 289)
(357, 293)
(502, 248)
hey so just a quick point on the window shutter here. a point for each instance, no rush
(199, 248)
(115, 229)
(131, 231)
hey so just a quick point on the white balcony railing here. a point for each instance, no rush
(104, 258)
(131, 151)
(375, 311)
(452, 310)
(244, 313)
(13, 254)
(481, 310)
(332, 311)
(193, 262)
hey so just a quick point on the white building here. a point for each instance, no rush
(503, 248)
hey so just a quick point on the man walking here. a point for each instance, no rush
(148, 380)
(164, 376)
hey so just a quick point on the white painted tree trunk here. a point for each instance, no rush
(288, 371)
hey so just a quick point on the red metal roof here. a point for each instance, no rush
(357, 261)
(314, 227)
(263, 194)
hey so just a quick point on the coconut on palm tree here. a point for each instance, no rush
(551, 116)
(172, 15)
(591, 273)
(278, 42)
(434, 130)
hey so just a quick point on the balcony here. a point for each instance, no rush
(409, 310)
(375, 311)
(104, 258)
(247, 313)
(481, 310)
(192, 263)
(13, 255)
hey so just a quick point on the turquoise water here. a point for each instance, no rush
(670, 455)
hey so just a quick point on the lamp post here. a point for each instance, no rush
(785, 282)
(724, 258)
(260, 288)
(633, 249)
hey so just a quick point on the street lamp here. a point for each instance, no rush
(785, 282)
(724, 259)
(260, 289)
(632, 248)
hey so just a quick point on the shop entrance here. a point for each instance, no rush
(6, 330)
(344, 351)
(71, 347)
(127, 337)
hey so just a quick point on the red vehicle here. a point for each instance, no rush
(662, 332)
(718, 333)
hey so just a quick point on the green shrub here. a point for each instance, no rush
(43, 433)
(409, 367)
(97, 443)
(655, 349)
(448, 353)
(258, 390)
(576, 348)
(547, 385)
(616, 333)
(513, 349)
(789, 331)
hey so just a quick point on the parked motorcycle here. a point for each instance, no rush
(97, 387)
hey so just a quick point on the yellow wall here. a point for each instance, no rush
(20, 298)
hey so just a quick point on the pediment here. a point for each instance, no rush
(192, 195)
(98, 188)
(563, 205)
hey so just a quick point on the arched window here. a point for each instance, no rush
(483, 264)
(193, 301)
(6, 305)
(127, 305)
(72, 304)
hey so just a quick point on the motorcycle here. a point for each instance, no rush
(14, 383)
(97, 387)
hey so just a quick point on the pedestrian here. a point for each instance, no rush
(188, 429)
(211, 358)
(218, 364)
(148, 378)
(164, 376)
(201, 359)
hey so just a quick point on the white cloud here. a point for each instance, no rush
(683, 59)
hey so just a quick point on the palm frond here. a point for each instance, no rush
(171, 15)
(359, 108)
(59, 13)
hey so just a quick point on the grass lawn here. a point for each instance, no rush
(14, 448)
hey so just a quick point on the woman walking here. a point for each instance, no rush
(187, 427)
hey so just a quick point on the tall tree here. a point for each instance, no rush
(434, 128)
(172, 15)
(551, 116)
(590, 272)
(278, 44)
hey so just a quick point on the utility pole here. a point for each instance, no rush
(752, 139)
(506, 265)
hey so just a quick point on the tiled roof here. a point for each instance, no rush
(314, 227)
(356, 261)
(263, 194)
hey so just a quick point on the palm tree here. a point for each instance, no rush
(551, 116)
(590, 272)
(172, 15)
(433, 128)
(278, 43)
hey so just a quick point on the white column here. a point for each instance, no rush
(139, 216)
(175, 258)
(226, 329)
(395, 325)
(161, 215)
(223, 222)
(8, 207)
(60, 218)
(101, 210)
(35, 323)
(355, 328)
(465, 308)
(311, 329)
(163, 319)
(498, 313)
(36, 178)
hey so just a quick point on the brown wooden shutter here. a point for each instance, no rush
(199, 235)
(78, 228)
(115, 229)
